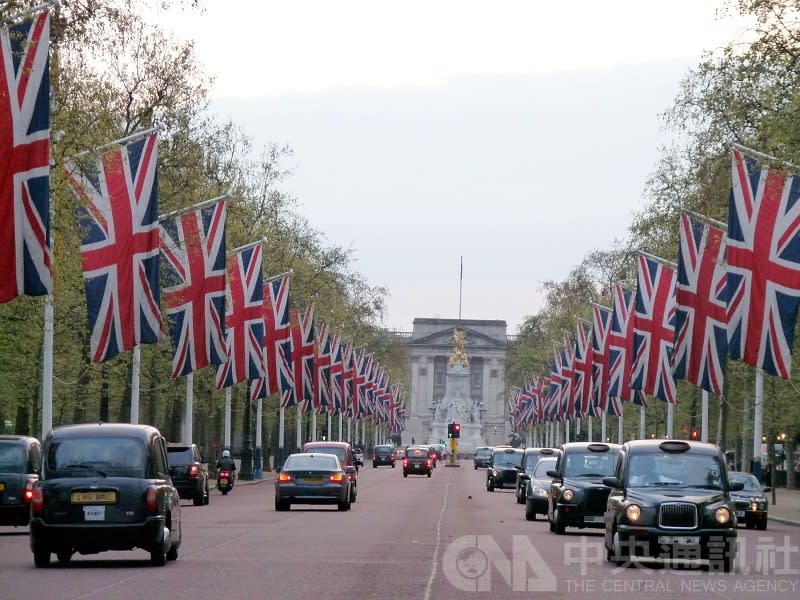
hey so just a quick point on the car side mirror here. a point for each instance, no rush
(736, 486)
(612, 482)
(519, 468)
(552, 473)
(766, 489)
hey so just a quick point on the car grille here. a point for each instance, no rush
(596, 500)
(677, 515)
(742, 504)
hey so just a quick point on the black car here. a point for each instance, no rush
(105, 487)
(189, 472)
(312, 478)
(483, 455)
(577, 496)
(418, 460)
(502, 471)
(751, 503)
(537, 487)
(20, 460)
(382, 455)
(530, 458)
(671, 500)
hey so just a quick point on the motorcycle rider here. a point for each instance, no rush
(226, 463)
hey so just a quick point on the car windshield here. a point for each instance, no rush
(336, 451)
(91, 456)
(679, 469)
(750, 482)
(417, 452)
(307, 462)
(542, 467)
(180, 457)
(507, 459)
(483, 452)
(12, 458)
(382, 450)
(586, 463)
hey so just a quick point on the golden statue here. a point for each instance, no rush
(458, 354)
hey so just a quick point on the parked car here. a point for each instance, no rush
(483, 454)
(671, 499)
(502, 471)
(105, 487)
(577, 495)
(347, 457)
(189, 472)
(418, 460)
(537, 486)
(530, 457)
(751, 503)
(20, 461)
(312, 478)
(382, 455)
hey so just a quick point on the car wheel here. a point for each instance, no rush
(429, 473)
(224, 492)
(197, 500)
(207, 498)
(617, 555)
(530, 513)
(374, 465)
(173, 553)
(393, 465)
(353, 494)
(749, 524)
(761, 525)
(344, 505)
(520, 498)
(727, 563)
(405, 474)
(558, 523)
(281, 505)
(476, 467)
(489, 485)
(41, 558)
(158, 557)
(64, 556)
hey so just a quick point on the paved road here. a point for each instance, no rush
(404, 538)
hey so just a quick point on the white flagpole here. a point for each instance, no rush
(313, 426)
(299, 428)
(330, 426)
(589, 429)
(281, 434)
(758, 415)
(227, 445)
(340, 427)
(363, 440)
(603, 427)
(47, 366)
(188, 414)
(135, 371)
(642, 434)
(670, 416)
(566, 430)
(619, 430)
(257, 471)
(704, 418)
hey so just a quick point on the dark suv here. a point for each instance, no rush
(20, 460)
(671, 500)
(483, 455)
(418, 460)
(189, 472)
(502, 469)
(382, 455)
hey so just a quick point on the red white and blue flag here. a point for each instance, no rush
(277, 333)
(701, 326)
(193, 247)
(567, 375)
(601, 324)
(359, 380)
(337, 406)
(763, 265)
(322, 370)
(348, 379)
(620, 348)
(654, 329)
(557, 386)
(244, 318)
(582, 372)
(303, 342)
(118, 217)
(25, 256)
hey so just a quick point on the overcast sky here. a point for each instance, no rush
(518, 135)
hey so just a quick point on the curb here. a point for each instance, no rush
(244, 481)
(784, 521)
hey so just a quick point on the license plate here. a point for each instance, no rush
(593, 519)
(312, 480)
(740, 514)
(223, 481)
(94, 513)
(93, 497)
(417, 466)
(2, 485)
(679, 540)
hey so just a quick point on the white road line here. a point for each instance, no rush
(438, 541)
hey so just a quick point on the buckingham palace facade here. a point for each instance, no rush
(429, 349)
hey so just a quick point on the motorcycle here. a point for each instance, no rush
(224, 481)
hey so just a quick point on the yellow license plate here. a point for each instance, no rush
(223, 481)
(93, 497)
(2, 486)
(313, 479)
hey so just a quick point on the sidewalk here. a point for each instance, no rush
(787, 506)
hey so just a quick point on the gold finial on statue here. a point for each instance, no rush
(458, 354)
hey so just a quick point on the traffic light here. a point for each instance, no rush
(456, 430)
(450, 431)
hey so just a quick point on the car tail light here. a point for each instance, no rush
(429, 462)
(194, 471)
(405, 462)
(27, 495)
(285, 477)
(151, 500)
(336, 477)
(37, 501)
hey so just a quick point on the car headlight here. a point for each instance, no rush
(494, 473)
(537, 491)
(633, 513)
(754, 506)
(723, 515)
(567, 495)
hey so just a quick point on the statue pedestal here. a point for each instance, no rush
(457, 407)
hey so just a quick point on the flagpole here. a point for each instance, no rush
(566, 430)
(188, 414)
(119, 142)
(619, 430)
(706, 220)
(47, 366)
(603, 427)
(658, 259)
(136, 368)
(29, 11)
(340, 427)
(589, 429)
(349, 431)
(704, 418)
(330, 426)
(299, 425)
(198, 206)
(766, 157)
(460, 287)
(227, 445)
(257, 471)
(641, 423)
(281, 434)
(758, 415)
(248, 246)
(313, 425)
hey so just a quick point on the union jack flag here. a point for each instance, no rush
(322, 370)
(567, 375)
(277, 332)
(365, 385)
(25, 256)
(286, 373)
(601, 324)
(701, 326)
(763, 265)
(244, 318)
(337, 377)
(359, 380)
(582, 372)
(620, 348)
(348, 375)
(540, 385)
(557, 385)
(193, 247)
(120, 246)
(303, 356)
(654, 329)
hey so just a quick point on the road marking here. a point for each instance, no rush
(438, 541)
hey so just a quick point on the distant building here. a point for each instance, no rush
(429, 349)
